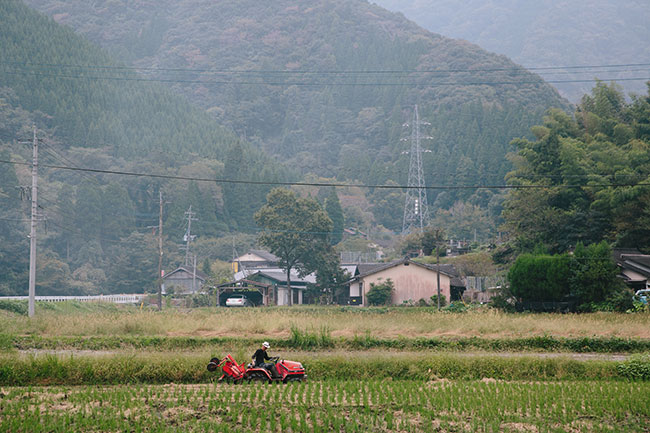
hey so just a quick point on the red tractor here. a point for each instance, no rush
(288, 371)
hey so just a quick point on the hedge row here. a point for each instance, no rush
(318, 341)
(53, 370)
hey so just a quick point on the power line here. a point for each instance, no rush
(322, 184)
(311, 72)
(332, 83)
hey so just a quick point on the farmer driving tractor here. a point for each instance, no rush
(260, 356)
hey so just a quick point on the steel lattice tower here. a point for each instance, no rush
(416, 209)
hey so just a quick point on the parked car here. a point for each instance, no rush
(238, 301)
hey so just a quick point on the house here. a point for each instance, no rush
(412, 280)
(254, 259)
(266, 286)
(634, 267)
(184, 280)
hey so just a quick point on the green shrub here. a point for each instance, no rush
(434, 300)
(540, 278)
(380, 293)
(635, 368)
(18, 307)
(594, 281)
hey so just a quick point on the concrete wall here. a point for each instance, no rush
(411, 282)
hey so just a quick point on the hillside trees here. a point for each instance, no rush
(583, 179)
(13, 260)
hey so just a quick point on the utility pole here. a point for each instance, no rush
(438, 270)
(188, 234)
(438, 232)
(194, 276)
(160, 250)
(32, 233)
(416, 209)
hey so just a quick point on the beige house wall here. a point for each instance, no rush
(411, 282)
(248, 257)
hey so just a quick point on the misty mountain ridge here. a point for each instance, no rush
(548, 33)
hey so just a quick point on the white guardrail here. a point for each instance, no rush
(115, 299)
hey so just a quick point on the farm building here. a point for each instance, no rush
(184, 280)
(412, 280)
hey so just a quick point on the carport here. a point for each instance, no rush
(258, 293)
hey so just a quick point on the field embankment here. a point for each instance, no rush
(160, 368)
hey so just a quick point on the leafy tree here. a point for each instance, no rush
(593, 274)
(330, 278)
(587, 175)
(296, 230)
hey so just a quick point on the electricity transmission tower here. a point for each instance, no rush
(416, 209)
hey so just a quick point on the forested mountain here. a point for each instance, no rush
(548, 33)
(327, 84)
(205, 89)
(96, 230)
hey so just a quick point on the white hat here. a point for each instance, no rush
(266, 344)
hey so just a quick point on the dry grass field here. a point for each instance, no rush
(339, 322)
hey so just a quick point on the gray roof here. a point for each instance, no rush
(351, 269)
(200, 275)
(370, 269)
(277, 274)
(632, 259)
(281, 276)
